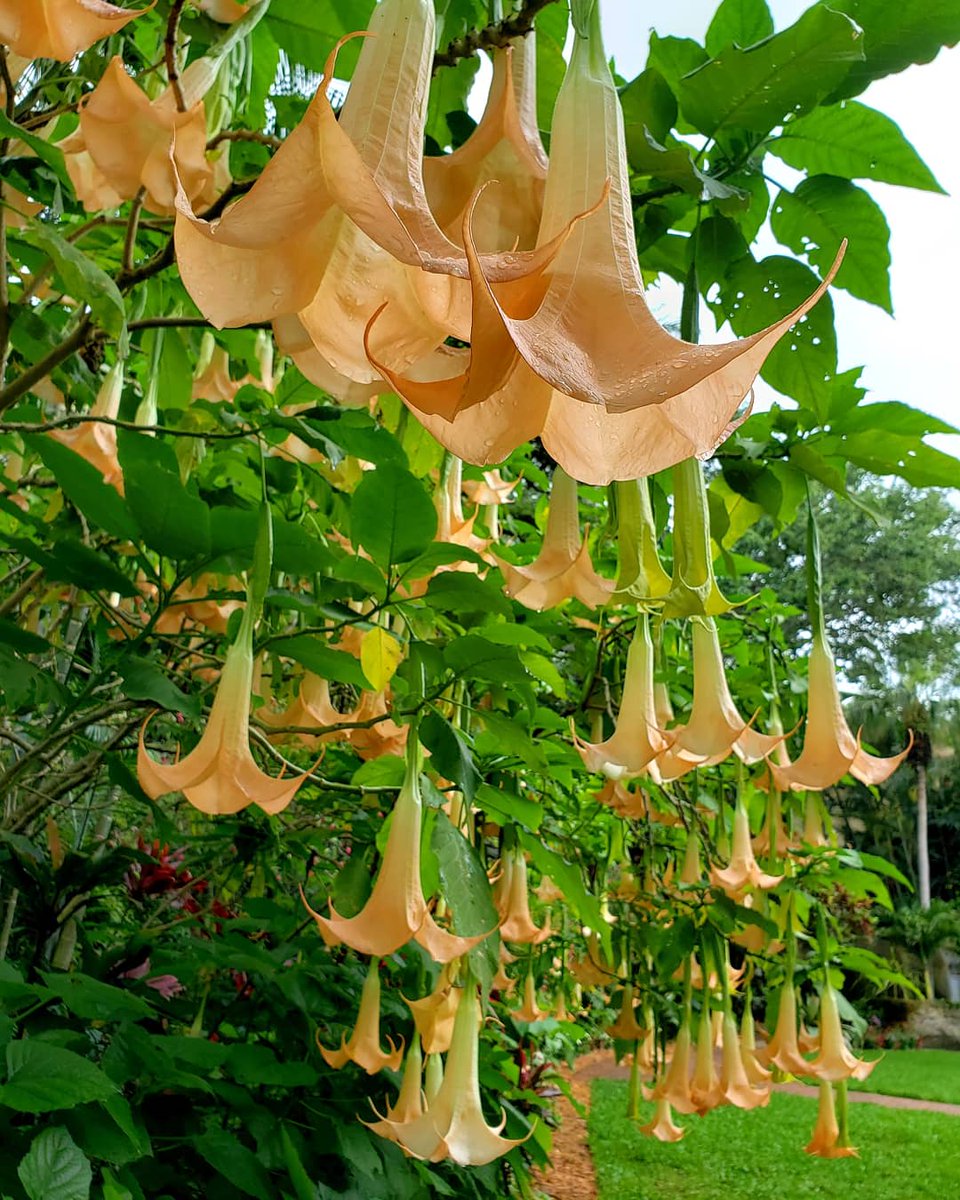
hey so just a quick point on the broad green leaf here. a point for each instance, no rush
(460, 593)
(673, 164)
(891, 454)
(82, 278)
(43, 1078)
(113, 1189)
(311, 653)
(143, 680)
(391, 516)
(509, 806)
(258, 1065)
(551, 34)
(22, 639)
(889, 416)
(738, 23)
(477, 658)
(790, 73)
(233, 532)
(543, 669)
(55, 1168)
(47, 152)
(386, 771)
(855, 142)
(309, 32)
(805, 359)
(235, 1162)
(896, 33)
(356, 432)
(83, 484)
(442, 554)
(95, 1001)
(466, 889)
(648, 105)
(450, 754)
(70, 561)
(172, 520)
(673, 58)
(814, 219)
(380, 655)
(448, 99)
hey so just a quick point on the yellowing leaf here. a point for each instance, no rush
(380, 655)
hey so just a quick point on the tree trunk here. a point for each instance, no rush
(923, 852)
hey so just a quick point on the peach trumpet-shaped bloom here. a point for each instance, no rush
(192, 602)
(529, 1010)
(706, 1089)
(675, 1085)
(453, 1125)
(224, 11)
(783, 1049)
(125, 141)
(363, 1046)
(563, 568)
(396, 909)
(833, 1060)
(512, 901)
(825, 1142)
(759, 1076)
(625, 1028)
(219, 775)
(830, 750)
(736, 1087)
(662, 1126)
(410, 1101)
(636, 741)
(715, 727)
(813, 831)
(97, 442)
(434, 1014)
(742, 872)
(504, 148)
(60, 29)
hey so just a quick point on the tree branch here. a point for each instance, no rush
(170, 53)
(497, 34)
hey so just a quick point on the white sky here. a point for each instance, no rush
(912, 356)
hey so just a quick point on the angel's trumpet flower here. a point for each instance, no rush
(759, 1076)
(363, 1046)
(625, 1028)
(410, 1101)
(220, 775)
(547, 891)
(830, 750)
(560, 1007)
(60, 29)
(715, 727)
(125, 140)
(192, 602)
(663, 1127)
(640, 574)
(452, 525)
(396, 909)
(490, 492)
(434, 1015)
(813, 831)
(512, 901)
(224, 11)
(563, 568)
(826, 1141)
(675, 1085)
(502, 983)
(453, 1125)
(529, 1010)
(94, 440)
(742, 872)
(636, 741)
(705, 1087)
(668, 400)
(432, 1076)
(833, 1060)
(693, 587)
(783, 1049)
(505, 148)
(736, 1087)
(773, 841)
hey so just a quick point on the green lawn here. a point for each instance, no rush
(732, 1155)
(925, 1074)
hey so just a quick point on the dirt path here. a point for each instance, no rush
(572, 1176)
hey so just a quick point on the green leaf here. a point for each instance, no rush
(311, 653)
(673, 164)
(81, 277)
(450, 754)
(890, 416)
(897, 33)
(95, 1001)
(386, 771)
(757, 294)
(890, 454)
(448, 98)
(509, 806)
(43, 1078)
(551, 34)
(83, 484)
(738, 23)
(235, 1162)
(391, 515)
(309, 32)
(648, 106)
(22, 639)
(258, 1066)
(478, 658)
(789, 73)
(466, 889)
(354, 432)
(855, 142)
(55, 1168)
(459, 593)
(172, 520)
(44, 150)
(674, 58)
(143, 680)
(814, 219)
(70, 561)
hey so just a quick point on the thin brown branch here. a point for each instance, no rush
(170, 53)
(497, 34)
(74, 419)
(24, 589)
(130, 238)
(245, 135)
(26, 379)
